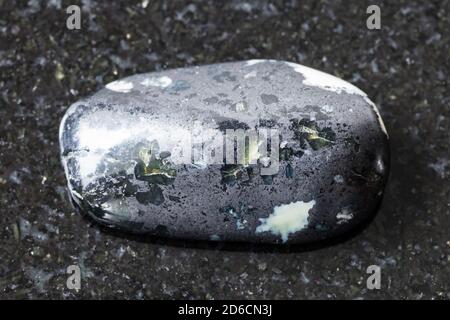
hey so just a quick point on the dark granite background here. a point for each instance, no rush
(44, 67)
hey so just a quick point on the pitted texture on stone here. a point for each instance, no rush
(120, 153)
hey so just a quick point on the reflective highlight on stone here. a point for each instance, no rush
(124, 153)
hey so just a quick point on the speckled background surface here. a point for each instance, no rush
(404, 67)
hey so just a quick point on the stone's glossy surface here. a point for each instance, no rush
(121, 153)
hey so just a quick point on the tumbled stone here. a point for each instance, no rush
(257, 151)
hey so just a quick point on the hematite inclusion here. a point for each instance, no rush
(120, 146)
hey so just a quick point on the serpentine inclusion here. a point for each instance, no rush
(124, 153)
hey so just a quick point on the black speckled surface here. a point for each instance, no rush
(404, 68)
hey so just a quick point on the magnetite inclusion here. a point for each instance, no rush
(258, 151)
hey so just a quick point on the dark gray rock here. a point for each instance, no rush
(131, 153)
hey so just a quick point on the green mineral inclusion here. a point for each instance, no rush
(154, 166)
(308, 131)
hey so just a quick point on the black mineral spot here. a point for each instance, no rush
(224, 76)
(232, 124)
(211, 100)
(269, 98)
(154, 196)
(289, 171)
(267, 123)
(174, 198)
